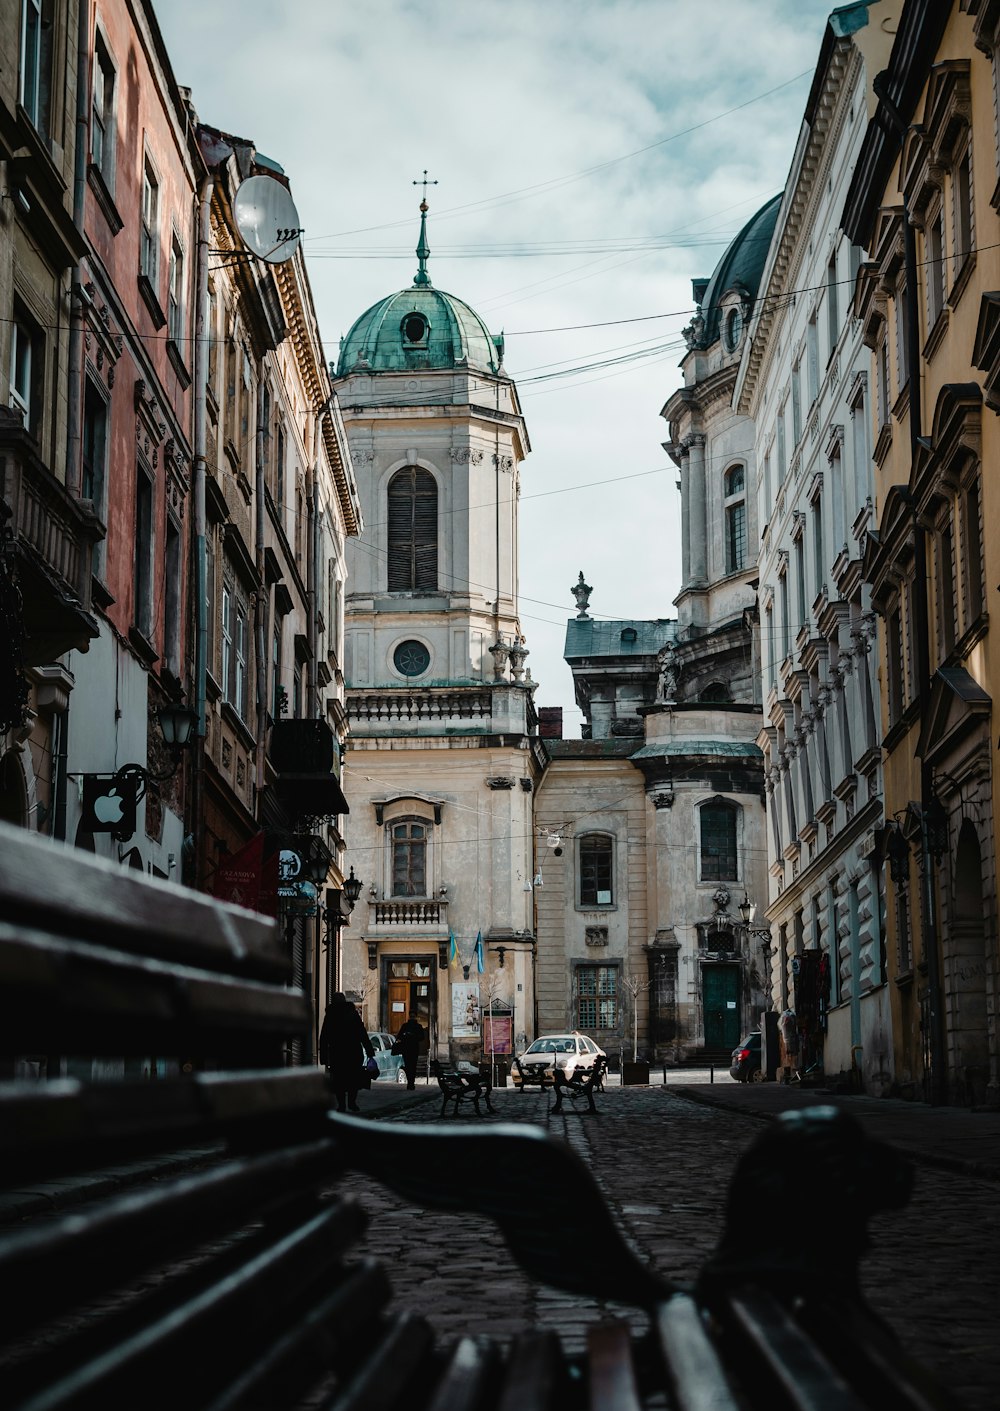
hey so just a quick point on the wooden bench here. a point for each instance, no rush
(462, 1085)
(227, 1282)
(581, 1086)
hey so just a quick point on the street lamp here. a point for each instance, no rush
(340, 902)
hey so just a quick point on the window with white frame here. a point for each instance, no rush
(149, 224)
(812, 358)
(597, 997)
(832, 302)
(102, 113)
(175, 293)
(35, 71)
(734, 487)
(796, 405)
(26, 361)
(409, 858)
(597, 870)
(934, 262)
(235, 645)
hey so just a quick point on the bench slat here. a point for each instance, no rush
(386, 1375)
(332, 1332)
(59, 997)
(189, 1351)
(59, 1125)
(693, 1367)
(87, 897)
(773, 1340)
(62, 1261)
(612, 1377)
(471, 1370)
(535, 1375)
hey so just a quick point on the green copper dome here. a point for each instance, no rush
(420, 328)
(740, 267)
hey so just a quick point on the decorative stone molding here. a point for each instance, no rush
(505, 463)
(364, 457)
(470, 455)
(500, 781)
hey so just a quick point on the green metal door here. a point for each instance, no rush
(721, 997)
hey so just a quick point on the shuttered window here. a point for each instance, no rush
(412, 516)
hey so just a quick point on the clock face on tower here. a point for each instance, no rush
(411, 658)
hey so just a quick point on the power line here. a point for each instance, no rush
(554, 183)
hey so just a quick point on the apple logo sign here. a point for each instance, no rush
(108, 807)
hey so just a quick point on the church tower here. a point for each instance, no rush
(442, 749)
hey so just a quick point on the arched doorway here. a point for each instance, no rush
(965, 970)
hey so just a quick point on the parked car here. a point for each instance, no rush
(745, 1067)
(573, 1053)
(390, 1065)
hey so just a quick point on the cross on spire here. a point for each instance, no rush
(422, 278)
(424, 183)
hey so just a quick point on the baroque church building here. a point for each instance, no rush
(443, 753)
(659, 808)
(518, 883)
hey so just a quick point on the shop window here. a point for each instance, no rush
(596, 870)
(597, 997)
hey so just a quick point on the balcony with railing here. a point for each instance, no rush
(410, 914)
(53, 535)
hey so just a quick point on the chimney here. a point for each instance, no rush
(550, 722)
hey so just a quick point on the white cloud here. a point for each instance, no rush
(355, 98)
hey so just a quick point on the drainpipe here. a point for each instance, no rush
(74, 407)
(198, 468)
(262, 597)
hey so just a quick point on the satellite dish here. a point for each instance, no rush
(266, 219)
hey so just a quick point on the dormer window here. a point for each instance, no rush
(415, 330)
(734, 328)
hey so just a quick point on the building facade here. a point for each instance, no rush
(804, 382)
(659, 809)
(922, 204)
(442, 753)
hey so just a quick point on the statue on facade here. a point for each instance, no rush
(666, 686)
(581, 592)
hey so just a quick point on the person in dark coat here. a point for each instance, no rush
(343, 1041)
(410, 1039)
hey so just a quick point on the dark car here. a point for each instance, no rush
(745, 1067)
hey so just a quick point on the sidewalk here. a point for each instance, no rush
(953, 1138)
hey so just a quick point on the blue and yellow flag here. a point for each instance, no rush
(453, 953)
(480, 962)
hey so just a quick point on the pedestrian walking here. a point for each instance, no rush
(343, 1041)
(410, 1040)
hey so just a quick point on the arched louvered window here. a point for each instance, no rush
(412, 516)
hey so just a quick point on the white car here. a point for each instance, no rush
(390, 1065)
(572, 1053)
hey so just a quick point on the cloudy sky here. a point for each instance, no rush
(592, 157)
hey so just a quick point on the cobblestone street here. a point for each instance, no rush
(664, 1164)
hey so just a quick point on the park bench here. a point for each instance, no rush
(188, 1240)
(532, 1075)
(580, 1087)
(462, 1085)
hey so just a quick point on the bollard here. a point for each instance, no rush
(711, 1072)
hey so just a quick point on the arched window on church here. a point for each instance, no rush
(736, 518)
(716, 693)
(412, 514)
